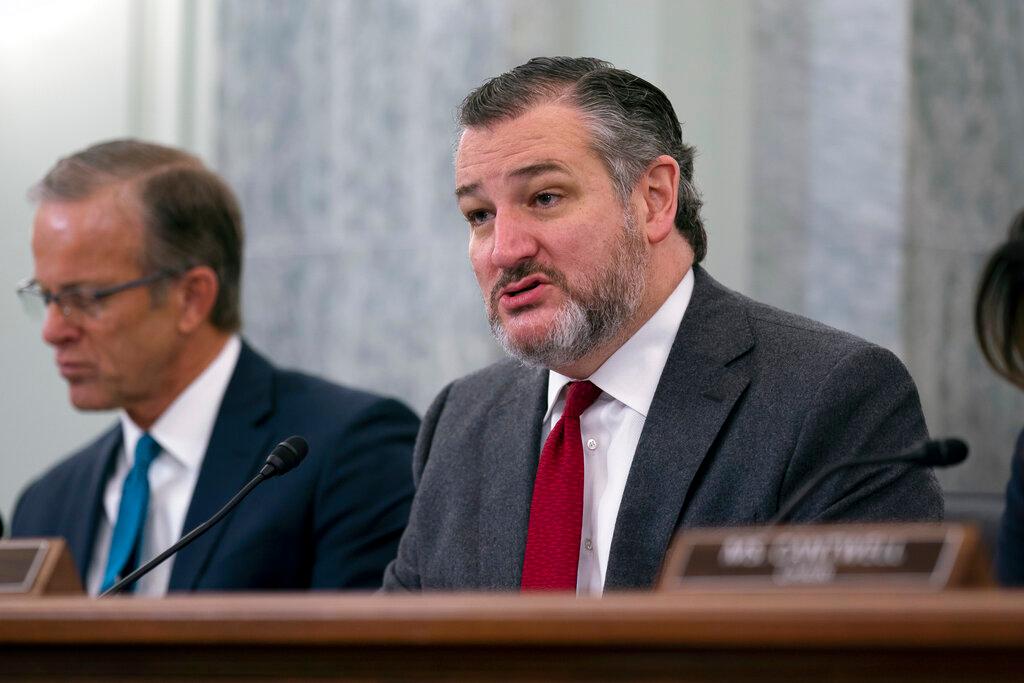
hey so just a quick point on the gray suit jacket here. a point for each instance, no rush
(751, 403)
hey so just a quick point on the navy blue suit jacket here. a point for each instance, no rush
(334, 522)
(1010, 549)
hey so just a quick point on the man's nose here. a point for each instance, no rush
(57, 327)
(514, 240)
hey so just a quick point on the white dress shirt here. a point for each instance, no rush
(611, 428)
(183, 432)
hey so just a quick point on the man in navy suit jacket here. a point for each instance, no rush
(137, 253)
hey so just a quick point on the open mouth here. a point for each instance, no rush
(523, 292)
(527, 284)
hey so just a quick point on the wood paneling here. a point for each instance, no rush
(963, 635)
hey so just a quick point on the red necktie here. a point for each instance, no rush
(556, 513)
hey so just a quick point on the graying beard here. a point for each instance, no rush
(577, 331)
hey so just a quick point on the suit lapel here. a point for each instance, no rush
(695, 395)
(512, 449)
(81, 529)
(236, 449)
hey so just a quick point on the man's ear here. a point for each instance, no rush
(196, 293)
(659, 192)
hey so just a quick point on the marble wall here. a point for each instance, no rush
(828, 162)
(965, 181)
(888, 148)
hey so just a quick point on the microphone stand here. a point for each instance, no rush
(184, 540)
(936, 453)
(285, 456)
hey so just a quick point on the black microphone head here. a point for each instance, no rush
(286, 456)
(944, 452)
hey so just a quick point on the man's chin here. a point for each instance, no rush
(533, 350)
(87, 400)
(525, 342)
(531, 337)
(528, 327)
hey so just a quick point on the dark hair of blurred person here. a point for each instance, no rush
(999, 324)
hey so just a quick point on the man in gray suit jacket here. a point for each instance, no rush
(687, 404)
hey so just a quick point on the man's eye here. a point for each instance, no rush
(76, 299)
(478, 217)
(546, 199)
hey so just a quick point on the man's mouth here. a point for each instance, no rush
(527, 284)
(73, 370)
(527, 291)
(524, 287)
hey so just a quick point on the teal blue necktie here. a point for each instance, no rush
(131, 514)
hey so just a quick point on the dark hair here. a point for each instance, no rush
(631, 121)
(998, 314)
(191, 216)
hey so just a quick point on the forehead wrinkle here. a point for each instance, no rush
(522, 173)
(539, 168)
(512, 149)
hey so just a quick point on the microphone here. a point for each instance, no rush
(285, 456)
(933, 453)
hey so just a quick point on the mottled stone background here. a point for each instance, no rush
(331, 130)
(828, 138)
(887, 156)
(965, 180)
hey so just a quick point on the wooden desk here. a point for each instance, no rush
(964, 636)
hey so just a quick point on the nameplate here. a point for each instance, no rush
(925, 556)
(37, 566)
(20, 562)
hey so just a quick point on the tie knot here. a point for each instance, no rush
(580, 397)
(146, 451)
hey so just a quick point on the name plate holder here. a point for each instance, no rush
(37, 566)
(836, 556)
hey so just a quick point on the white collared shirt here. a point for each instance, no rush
(611, 428)
(183, 432)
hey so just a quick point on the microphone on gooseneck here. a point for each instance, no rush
(285, 456)
(934, 453)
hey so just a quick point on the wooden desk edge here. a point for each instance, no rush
(977, 619)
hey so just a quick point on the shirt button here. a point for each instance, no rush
(591, 444)
(588, 544)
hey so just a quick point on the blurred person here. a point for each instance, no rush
(642, 396)
(999, 325)
(138, 260)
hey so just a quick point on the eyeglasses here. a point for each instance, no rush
(78, 302)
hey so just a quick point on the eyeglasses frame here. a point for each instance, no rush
(31, 287)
